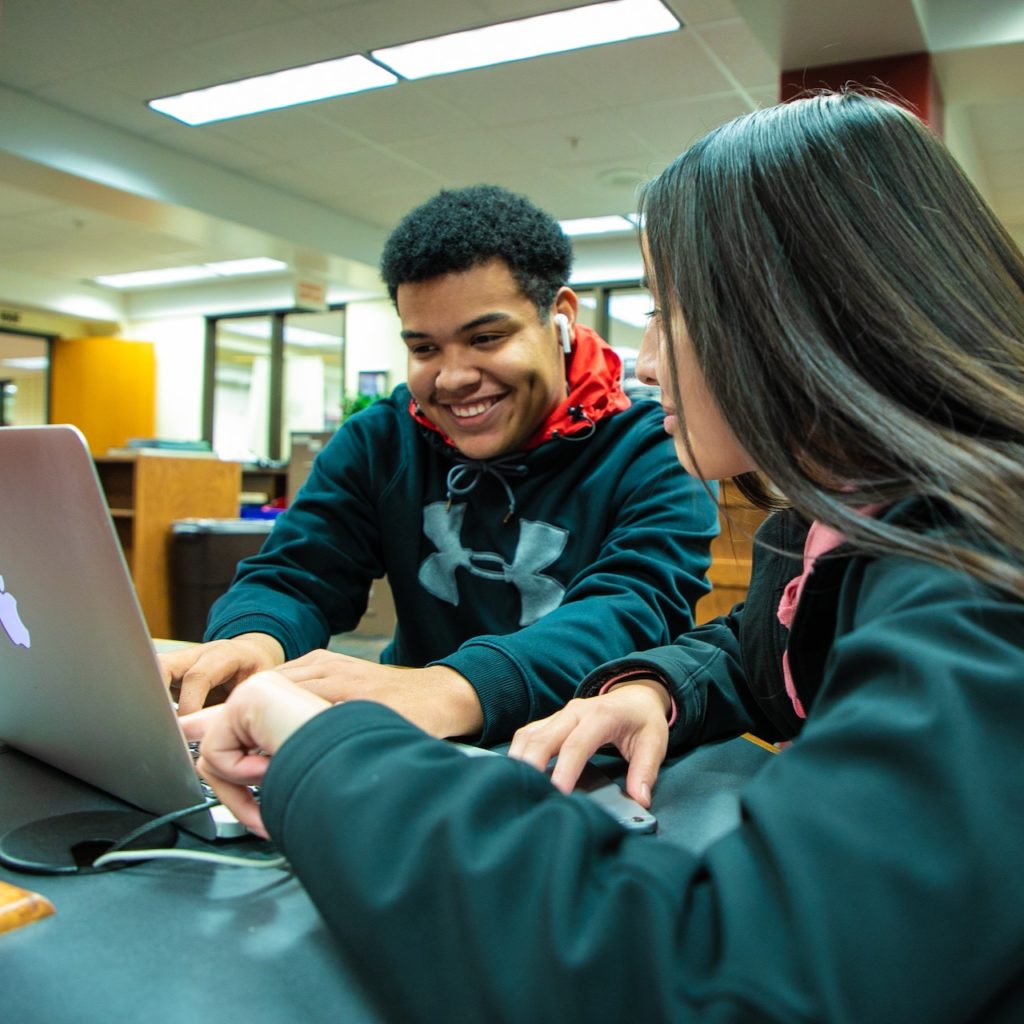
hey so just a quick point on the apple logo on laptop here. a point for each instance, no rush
(11, 620)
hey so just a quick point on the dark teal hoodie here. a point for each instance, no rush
(521, 573)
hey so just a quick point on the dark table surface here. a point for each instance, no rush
(183, 941)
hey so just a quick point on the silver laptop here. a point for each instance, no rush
(79, 683)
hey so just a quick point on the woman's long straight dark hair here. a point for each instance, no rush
(858, 313)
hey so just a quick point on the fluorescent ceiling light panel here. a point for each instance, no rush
(253, 265)
(275, 90)
(152, 278)
(196, 272)
(597, 225)
(529, 37)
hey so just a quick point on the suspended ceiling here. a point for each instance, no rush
(93, 182)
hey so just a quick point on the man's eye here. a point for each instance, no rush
(484, 339)
(421, 350)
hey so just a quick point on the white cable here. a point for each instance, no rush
(171, 854)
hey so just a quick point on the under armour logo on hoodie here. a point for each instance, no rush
(539, 546)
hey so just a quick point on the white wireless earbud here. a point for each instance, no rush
(562, 326)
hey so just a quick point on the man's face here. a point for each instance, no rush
(482, 366)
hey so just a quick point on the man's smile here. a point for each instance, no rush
(467, 410)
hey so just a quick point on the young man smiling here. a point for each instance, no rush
(532, 523)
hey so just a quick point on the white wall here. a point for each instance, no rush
(373, 342)
(178, 344)
(371, 335)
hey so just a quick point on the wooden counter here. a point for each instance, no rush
(146, 493)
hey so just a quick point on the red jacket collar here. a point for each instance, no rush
(595, 391)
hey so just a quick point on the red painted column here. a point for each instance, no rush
(908, 79)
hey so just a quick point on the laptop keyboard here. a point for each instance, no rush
(207, 789)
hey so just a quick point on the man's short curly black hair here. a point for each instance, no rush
(459, 229)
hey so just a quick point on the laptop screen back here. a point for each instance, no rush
(79, 683)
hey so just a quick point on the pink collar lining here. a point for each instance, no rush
(820, 540)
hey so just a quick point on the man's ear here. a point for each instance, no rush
(564, 335)
(564, 310)
(567, 302)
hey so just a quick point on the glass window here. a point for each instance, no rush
(314, 372)
(586, 314)
(241, 403)
(627, 318)
(24, 379)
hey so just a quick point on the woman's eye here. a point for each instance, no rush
(653, 314)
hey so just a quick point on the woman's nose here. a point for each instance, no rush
(647, 358)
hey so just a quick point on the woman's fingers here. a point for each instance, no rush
(631, 718)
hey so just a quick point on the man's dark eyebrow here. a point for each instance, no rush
(485, 318)
(494, 317)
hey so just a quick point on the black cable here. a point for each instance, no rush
(164, 819)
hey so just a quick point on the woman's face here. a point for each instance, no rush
(718, 454)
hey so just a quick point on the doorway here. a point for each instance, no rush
(24, 378)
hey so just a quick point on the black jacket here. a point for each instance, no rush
(874, 876)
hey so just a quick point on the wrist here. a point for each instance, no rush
(272, 708)
(461, 713)
(654, 687)
(267, 651)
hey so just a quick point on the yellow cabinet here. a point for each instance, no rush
(106, 387)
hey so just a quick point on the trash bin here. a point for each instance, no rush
(204, 556)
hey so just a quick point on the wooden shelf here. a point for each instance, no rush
(731, 554)
(146, 494)
(269, 482)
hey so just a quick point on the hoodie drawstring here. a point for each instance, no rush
(578, 415)
(459, 482)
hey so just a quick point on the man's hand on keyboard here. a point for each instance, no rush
(220, 664)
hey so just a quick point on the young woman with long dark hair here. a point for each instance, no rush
(839, 324)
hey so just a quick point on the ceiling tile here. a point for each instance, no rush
(377, 23)
(291, 134)
(512, 10)
(484, 96)
(702, 12)
(646, 70)
(674, 125)
(408, 110)
(342, 181)
(15, 201)
(1010, 202)
(999, 127)
(575, 131)
(740, 51)
(203, 144)
(1004, 169)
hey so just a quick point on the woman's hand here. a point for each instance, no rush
(238, 738)
(632, 716)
